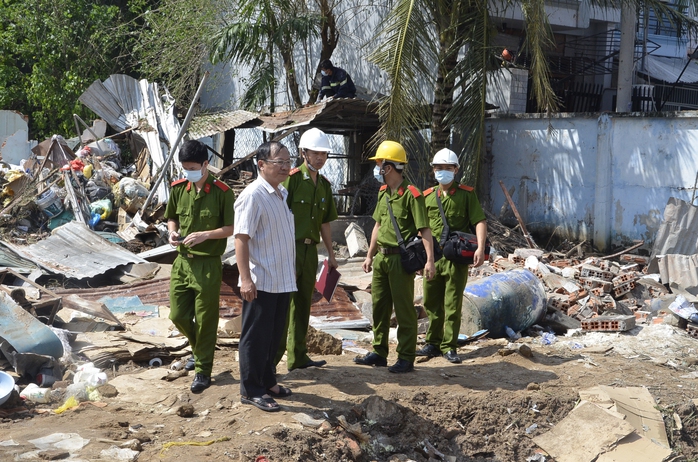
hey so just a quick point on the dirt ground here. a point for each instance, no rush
(480, 410)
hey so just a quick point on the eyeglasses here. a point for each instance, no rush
(280, 163)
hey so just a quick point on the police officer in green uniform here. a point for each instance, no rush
(310, 200)
(199, 219)
(391, 285)
(443, 295)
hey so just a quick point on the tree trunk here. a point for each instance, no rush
(330, 37)
(287, 56)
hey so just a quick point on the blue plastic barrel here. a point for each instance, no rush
(516, 299)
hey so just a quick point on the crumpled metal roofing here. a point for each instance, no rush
(77, 252)
(336, 116)
(125, 102)
(209, 124)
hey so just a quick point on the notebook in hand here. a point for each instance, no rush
(328, 280)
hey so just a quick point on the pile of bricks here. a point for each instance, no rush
(603, 295)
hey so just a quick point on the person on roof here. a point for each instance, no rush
(336, 82)
(200, 217)
(443, 295)
(310, 199)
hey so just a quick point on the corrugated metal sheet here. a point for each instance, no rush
(125, 102)
(669, 69)
(9, 259)
(209, 124)
(77, 252)
(337, 116)
(340, 313)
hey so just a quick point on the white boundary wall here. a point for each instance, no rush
(602, 178)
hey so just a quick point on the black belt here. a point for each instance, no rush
(306, 241)
(389, 250)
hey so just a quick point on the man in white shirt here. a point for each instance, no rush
(266, 257)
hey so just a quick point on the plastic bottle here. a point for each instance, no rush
(511, 334)
(34, 393)
(177, 366)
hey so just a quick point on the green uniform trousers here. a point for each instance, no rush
(294, 338)
(443, 301)
(195, 287)
(392, 286)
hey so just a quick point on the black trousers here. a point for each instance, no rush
(263, 323)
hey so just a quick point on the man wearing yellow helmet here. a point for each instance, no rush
(391, 285)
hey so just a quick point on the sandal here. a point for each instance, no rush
(282, 393)
(265, 404)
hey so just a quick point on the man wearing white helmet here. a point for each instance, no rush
(443, 295)
(310, 200)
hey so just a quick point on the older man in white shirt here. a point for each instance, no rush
(266, 257)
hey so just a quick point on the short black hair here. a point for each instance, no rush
(326, 64)
(265, 150)
(396, 166)
(193, 151)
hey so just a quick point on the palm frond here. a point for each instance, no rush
(239, 42)
(259, 86)
(406, 54)
(539, 38)
(467, 114)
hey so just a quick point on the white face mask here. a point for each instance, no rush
(193, 175)
(324, 74)
(444, 176)
(377, 174)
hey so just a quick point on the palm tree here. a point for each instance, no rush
(260, 29)
(453, 38)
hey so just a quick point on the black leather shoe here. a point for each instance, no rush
(453, 357)
(190, 364)
(312, 363)
(200, 383)
(371, 359)
(429, 350)
(401, 366)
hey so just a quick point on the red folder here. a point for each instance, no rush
(328, 280)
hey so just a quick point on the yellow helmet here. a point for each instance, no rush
(390, 151)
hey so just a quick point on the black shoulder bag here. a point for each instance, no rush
(413, 255)
(457, 246)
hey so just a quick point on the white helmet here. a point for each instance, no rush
(445, 156)
(315, 140)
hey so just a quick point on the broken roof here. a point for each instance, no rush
(77, 252)
(336, 116)
(209, 124)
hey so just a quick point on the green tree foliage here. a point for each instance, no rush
(258, 32)
(170, 41)
(454, 38)
(51, 51)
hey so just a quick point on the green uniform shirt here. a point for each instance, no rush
(410, 213)
(461, 207)
(311, 203)
(210, 208)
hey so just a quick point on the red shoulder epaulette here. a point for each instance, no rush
(384, 187)
(295, 170)
(467, 188)
(415, 192)
(428, 191)
(224, 187)
(180, 181)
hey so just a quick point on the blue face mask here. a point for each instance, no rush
(444, 176)
(193, 175)
(324, 74)
(377, 174)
